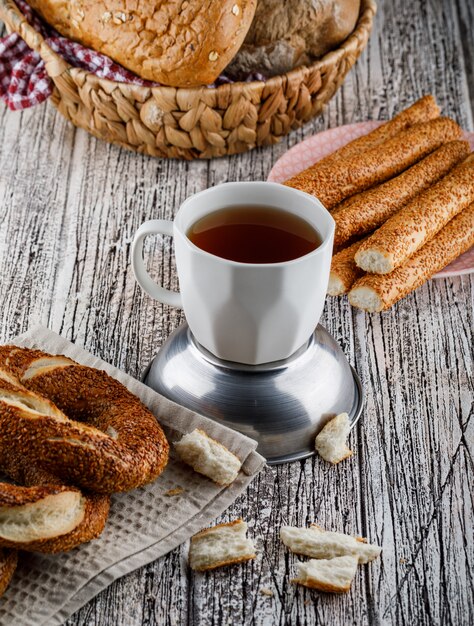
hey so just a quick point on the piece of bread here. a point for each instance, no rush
(333, 182)
(8, 562)
(38, 513)
(209, 457)
(377, 292)
(31, 513)
(330, 442)
(183, 44)
(320, 544)
(224, 544)
(284, 35)
(331, 575)
(366, 211)
(418, 221)
(344, 271)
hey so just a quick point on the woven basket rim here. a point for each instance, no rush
(13, 17)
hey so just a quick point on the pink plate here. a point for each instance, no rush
(318, 146)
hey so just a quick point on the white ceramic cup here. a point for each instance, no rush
(249, 313)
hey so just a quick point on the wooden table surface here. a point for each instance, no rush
(69, 206)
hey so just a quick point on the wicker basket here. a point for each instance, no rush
(199, 122)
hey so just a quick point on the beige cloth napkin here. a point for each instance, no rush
(143, 525)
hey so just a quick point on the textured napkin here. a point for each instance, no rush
(143, 524)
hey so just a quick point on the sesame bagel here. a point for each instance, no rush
(77, 423)
(8, 561)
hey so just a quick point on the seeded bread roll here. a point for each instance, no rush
(411, 227)
(183, 44)
(340, 179)
(375, 292)
(366, 211)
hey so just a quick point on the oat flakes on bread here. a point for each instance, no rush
(320, 544)
(330, 442)
(224, 544)
(330, 575)
(208, 457)
(182, 44)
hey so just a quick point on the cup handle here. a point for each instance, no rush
(152, 227)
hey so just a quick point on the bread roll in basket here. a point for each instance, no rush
(191, 121)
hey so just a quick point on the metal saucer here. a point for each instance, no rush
(282, 405)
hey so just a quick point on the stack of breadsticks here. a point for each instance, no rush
(402, 198)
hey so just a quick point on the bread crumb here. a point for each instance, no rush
(208, 457)
(224, 544)
(320, 544)
(331, 575)
(235, 9)
(213, 55)
(266, 592)
(330, 442)
(175, 492)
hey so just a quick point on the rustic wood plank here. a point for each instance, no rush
(69, 206)
(465, 12)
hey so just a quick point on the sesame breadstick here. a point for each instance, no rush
(422, 110)
(344, 271)
(409, 229)
(363, 213)
(375, 292)
(347, 176)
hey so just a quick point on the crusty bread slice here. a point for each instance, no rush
(332, 575)
(320, 544)
(330, 442)
(209, 457)
(224, 544)
(45, 516)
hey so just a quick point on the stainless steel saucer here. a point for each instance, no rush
(282, 405)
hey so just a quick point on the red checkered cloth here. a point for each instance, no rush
(24, 81)
(23, 78)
